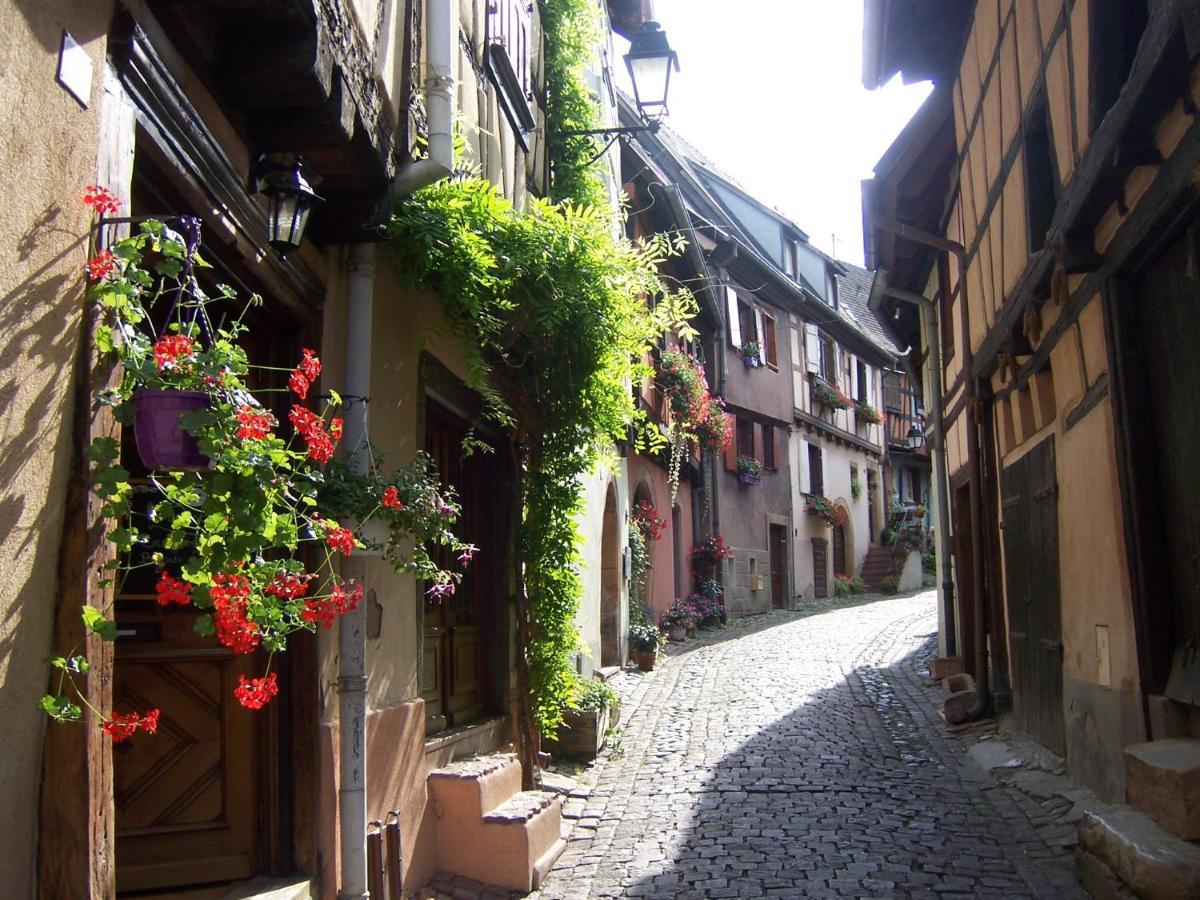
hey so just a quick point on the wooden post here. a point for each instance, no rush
(76, 839)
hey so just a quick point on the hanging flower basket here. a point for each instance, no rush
(162, 441)
(746, 478)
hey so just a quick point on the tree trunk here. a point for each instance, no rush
(527, 736)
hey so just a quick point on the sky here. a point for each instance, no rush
(771, 91)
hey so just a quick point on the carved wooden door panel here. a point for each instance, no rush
(186, 799)
(839, 550)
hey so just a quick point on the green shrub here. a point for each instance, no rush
(591, 693)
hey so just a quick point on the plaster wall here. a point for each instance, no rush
(836, 462)
(646, 475)
(591, 528)
(48, 155)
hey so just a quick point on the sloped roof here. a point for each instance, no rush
(854, 290)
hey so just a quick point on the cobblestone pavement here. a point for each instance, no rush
(802, 756)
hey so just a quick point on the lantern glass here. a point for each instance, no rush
(650, 60)
(291, 200)
(915, 438)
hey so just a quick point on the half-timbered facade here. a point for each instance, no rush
(1034, 229)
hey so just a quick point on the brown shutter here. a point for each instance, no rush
(769, 340)
(731, 453)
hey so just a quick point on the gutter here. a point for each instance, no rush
(439, 103)
(974, 471)
(941, 474)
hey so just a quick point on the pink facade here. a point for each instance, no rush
(671, 569)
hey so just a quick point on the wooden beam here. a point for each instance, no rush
(1095, 169)
(1172, 186)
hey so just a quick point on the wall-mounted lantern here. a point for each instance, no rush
(291, 199)
(916, 438)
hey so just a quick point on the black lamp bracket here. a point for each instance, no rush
(261, 167)
(651, 127)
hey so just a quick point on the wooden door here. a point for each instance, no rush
(187, 799)
(839, 549)
(1168, 312)
(872, 490)
(778, 537)
(454, 656)
(1030, 509)
(820, 553)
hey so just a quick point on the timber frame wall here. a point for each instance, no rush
(1058, 192)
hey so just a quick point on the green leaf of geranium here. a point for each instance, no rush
(60, 709)
(95, 622)
(204, 625)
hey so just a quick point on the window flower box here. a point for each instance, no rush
(829, 396)
(751, 352)
(748, 469)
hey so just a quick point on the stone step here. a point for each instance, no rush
(1162, 779)
(475, 786)
(1149, 860)
(513, 846)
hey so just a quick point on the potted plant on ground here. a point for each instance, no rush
(748, 469)
(644, 643)
(678, 620)
(586, 719)
(751, 352)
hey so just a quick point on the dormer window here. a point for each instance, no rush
(831, 288)
(507, 61)
(790, 252)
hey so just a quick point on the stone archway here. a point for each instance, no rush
(610, 583)
(644, 593)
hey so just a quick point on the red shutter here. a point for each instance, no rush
(731, 453)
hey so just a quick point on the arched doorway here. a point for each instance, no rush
(642, 594)
(839, 550)
(610, 583)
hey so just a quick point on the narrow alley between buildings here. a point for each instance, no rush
(802, 756)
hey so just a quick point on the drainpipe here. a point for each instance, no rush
(352, 645)
(940, 472)
(439, 104)
(974, 472)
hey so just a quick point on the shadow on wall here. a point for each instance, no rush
(40, 323)
(846, 794)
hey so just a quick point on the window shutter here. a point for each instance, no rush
(733, 323)
(775, 447)
(731, 452)
(853, 385)
(812, 348)
(758, 330)
(802, 467)
(769, 341)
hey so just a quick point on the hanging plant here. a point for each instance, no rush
(748, 469)
(751, 353)
(697, 417)
(250, 537)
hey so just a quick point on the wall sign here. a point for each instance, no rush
(75, 69)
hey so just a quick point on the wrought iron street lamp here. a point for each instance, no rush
(650, 60)
(291, 198)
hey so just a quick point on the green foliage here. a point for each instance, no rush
(856, 487)
(929, 564)
(591, 693)
(644, 636)
(556, 316)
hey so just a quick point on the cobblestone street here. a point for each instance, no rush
(802, 756)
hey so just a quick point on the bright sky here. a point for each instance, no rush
(771, 91)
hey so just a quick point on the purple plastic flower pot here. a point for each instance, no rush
(162, 442)
(748, 479)
(750, 362)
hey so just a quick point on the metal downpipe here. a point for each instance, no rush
(352, 645)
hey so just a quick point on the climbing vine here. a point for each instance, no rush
(557, 315)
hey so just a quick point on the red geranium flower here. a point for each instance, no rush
(347, 600)
(172, 590)
(102, 200)
(310, 366)
(335, 428)
(312, 428)
(298, 384)
(287, 586)
(255, 693)
(101, 265)
(121, 726)
(255, 424)
(339, 538)
(231, 596)
(170, 349)
(391, 498)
